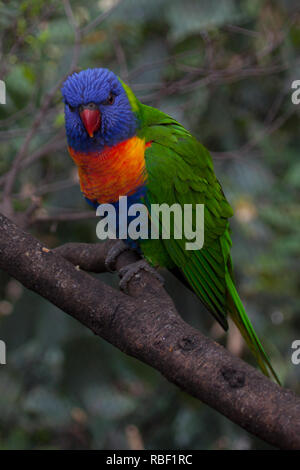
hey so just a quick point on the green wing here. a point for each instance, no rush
(180, 170)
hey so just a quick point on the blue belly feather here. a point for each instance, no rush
(136, 198)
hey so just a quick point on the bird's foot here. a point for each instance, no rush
(111, 257)
(132, 270)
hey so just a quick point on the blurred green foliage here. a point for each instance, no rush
(222, 68)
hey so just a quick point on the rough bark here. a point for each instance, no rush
(146, 325)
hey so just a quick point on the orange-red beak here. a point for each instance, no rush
(91, 119)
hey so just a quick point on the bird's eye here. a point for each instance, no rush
(71, 108)
(110, 99)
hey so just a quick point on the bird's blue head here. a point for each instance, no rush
(99, 110)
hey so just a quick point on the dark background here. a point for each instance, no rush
(224, 69)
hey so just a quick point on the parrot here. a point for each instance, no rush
(122, 147)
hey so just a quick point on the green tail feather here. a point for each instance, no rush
(240, 318)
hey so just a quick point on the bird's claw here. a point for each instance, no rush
(111, 257)
(132, 270)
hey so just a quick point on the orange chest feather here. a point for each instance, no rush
(113, 172)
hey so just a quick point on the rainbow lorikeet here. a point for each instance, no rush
(122, 147)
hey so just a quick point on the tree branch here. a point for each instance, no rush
(146, 325)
